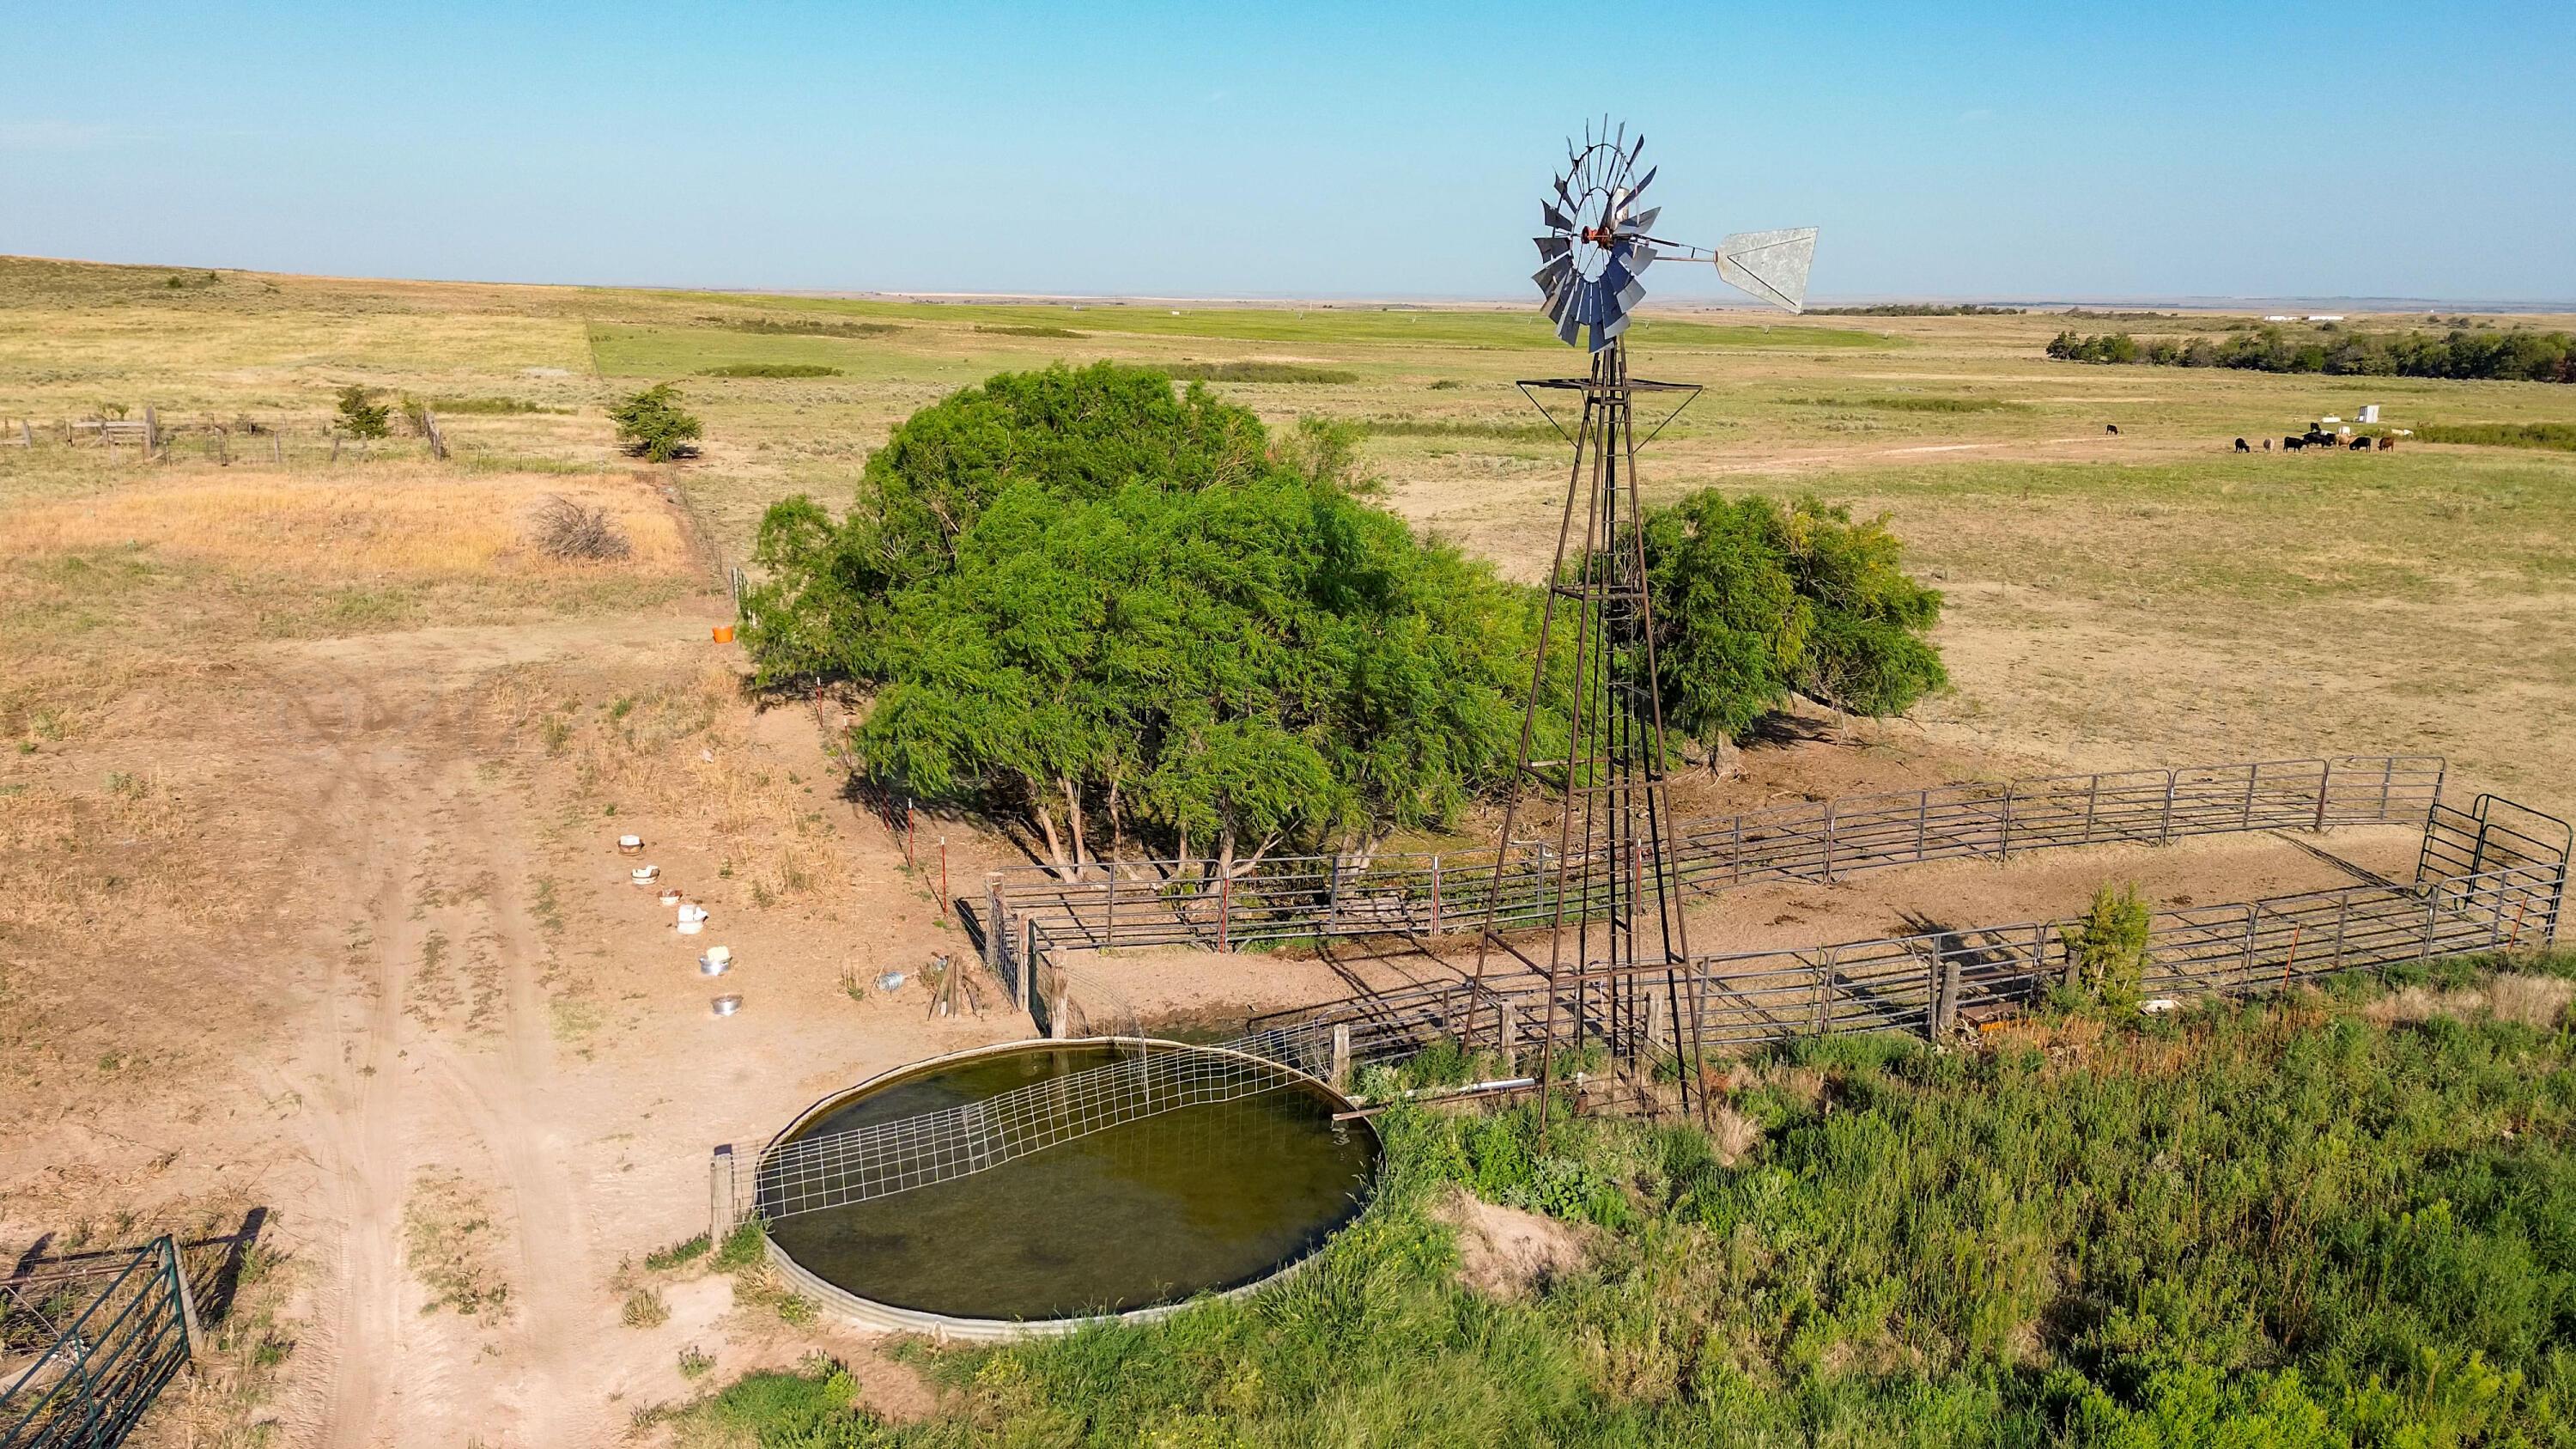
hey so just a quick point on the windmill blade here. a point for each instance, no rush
(1637, 225)
(1640, 188)
(1553, 219)
(1771, 265)
(1568, 329)
(1552, 247)
(1630, 295)
(1547, 277)
(1636, 258)
(1615, 328)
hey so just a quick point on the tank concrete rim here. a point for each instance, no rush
(944, 1326)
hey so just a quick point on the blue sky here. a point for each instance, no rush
(2060, 150)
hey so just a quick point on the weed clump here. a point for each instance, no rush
(565, 529)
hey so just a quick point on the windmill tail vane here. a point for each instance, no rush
(1600, 240)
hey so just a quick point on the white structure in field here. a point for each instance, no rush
(2369, 413)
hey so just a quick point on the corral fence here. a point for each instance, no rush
(303, 443)
(1031, 909)
(2490, 878)
(1935, 982)
(86, 1345)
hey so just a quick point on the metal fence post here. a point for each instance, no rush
(2388, 773)
(1113, 903)
(1922, 820)
(186, 1299)
(1224, 907)
(2251, 773)
(1829, 841)
(1825, 988)
(1435, 893)
(2164, 836)
(2003, 834)
(2092, 806)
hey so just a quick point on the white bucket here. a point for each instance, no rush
(629, 844)
(646, 874)
(721, 955)
(671, 896)
(690, 925)
(726, 1005)
(712, 964)
(691, 911)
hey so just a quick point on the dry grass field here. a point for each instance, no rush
(309, 771)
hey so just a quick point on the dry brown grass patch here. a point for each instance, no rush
(2536, 1001)
(396, 522)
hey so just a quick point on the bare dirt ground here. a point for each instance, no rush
(440, 969)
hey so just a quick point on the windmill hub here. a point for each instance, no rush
(1597, 245)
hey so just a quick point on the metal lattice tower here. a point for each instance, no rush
(1615, 909)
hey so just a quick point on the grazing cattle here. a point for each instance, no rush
(2360, 444)
(2385, 444)
(2267, 445)
(2294, 444)
(2240, 446)
(2112, 428)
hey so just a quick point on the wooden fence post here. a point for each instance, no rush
(1341, 1056)
(1224, 906)
(720, 1195)
(1333, 896)
(2251, 772)
(437, 440)
(1113, 903)
(2092, 806)
(2003, 845)
(1829, 841)
(1507, 1025)
(2325, 787)
(1922, 820)
(2164, 835)
(151, 434)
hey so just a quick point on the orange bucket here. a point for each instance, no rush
(724, 633)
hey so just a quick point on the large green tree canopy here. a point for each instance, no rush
(1116, 608)
(1754, 602)
(1095, 599)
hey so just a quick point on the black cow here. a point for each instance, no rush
(2112, 428)
(2294, 444)
(2360, 444)
(2240, 446)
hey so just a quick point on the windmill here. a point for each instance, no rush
(1615, 967)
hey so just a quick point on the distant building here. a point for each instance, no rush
(2325, 316)
(2280, 317)
(2369, 413)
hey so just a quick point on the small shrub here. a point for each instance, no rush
(770, 369)
(645, 1309)
(565, 529)
(362, 418)
(652, 424)
(693, 1364)
(2109, 947)
(797, 1309)
(744, 1246)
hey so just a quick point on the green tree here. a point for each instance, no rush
(1108, 606)
(652, 424)
(362, 418)
(2107, 947)
(1754, 602)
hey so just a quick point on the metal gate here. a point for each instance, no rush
(104, 1337)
